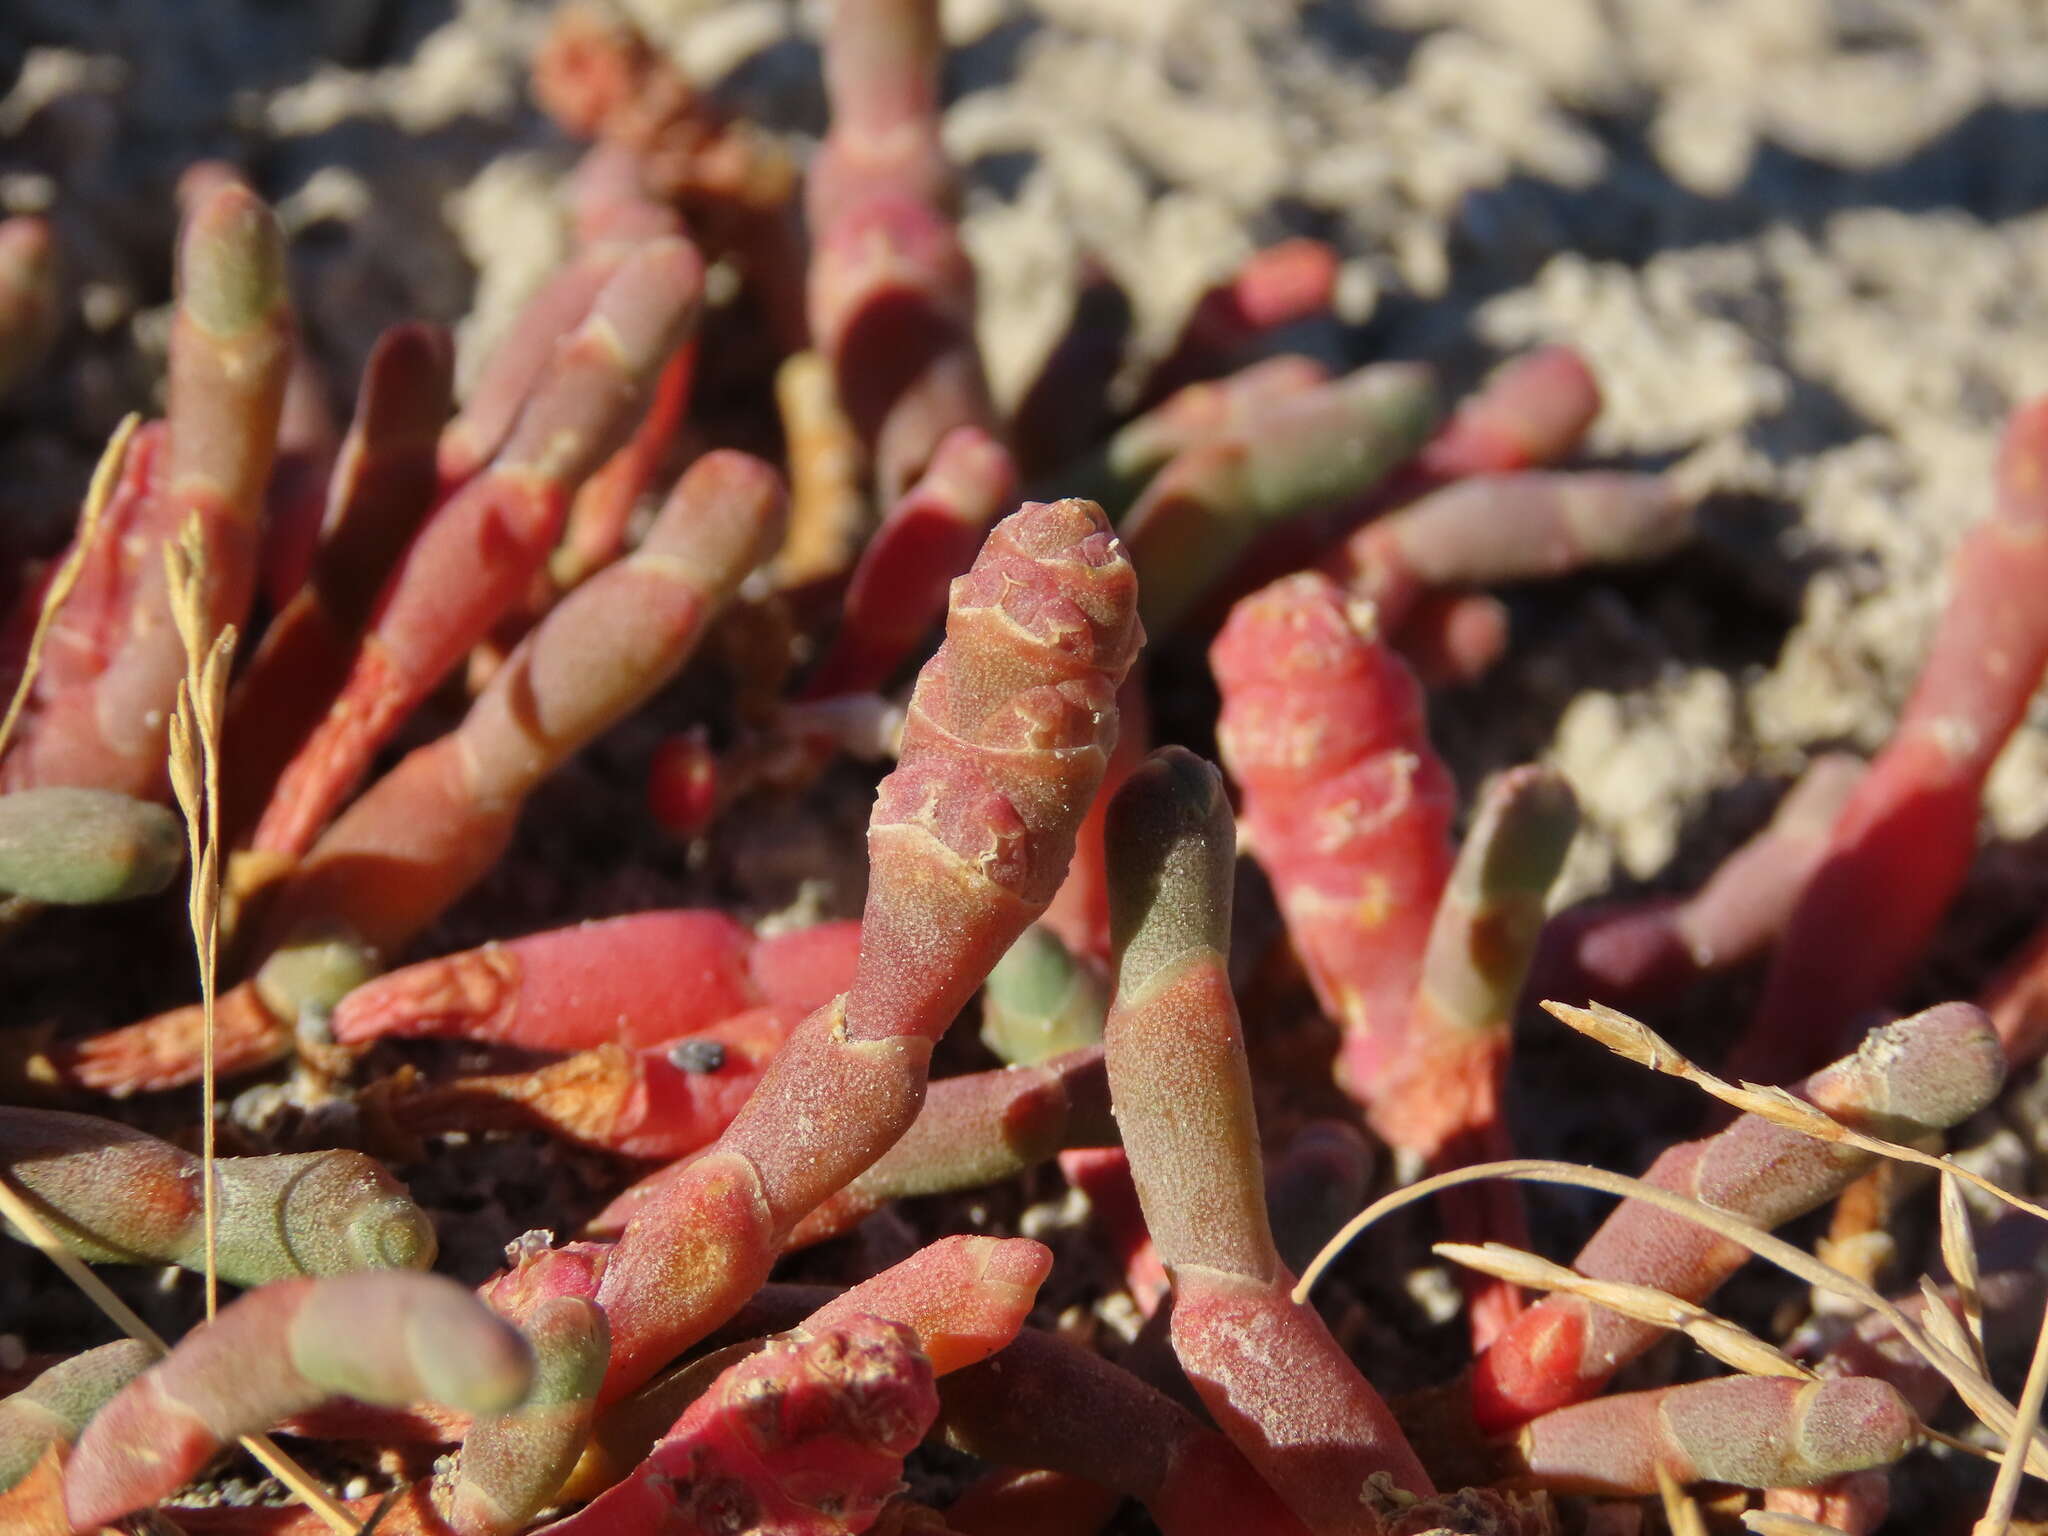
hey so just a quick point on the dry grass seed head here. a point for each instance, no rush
(195, 780)
(1730, 1343)
(1977, 1393)
(1637, 1042)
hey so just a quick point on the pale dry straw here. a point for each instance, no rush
(1959, 1253)
(1730, 1343)
(1680, 1512)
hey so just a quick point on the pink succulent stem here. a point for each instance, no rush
(1266, 1367)
(1902, 845)
(1007, 737)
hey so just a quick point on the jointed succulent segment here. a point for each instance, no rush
(1446, 1099)
(1294, 449)
(1007, 736)
(1901, 845)
(118, 1195)
(52, 1409)
(380, 1336)
(1491, 530)
(1348, 806)
(515, 1460)
(1266, 1367)
(423, 834)
(1635, 954)
(98, 711)
(473, 557)
(68, 845)
(805, 1435)
(1755, 1431)
(380, 489)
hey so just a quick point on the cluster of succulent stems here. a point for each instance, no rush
(563, 546)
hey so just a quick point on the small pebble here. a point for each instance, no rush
(703, 1056)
